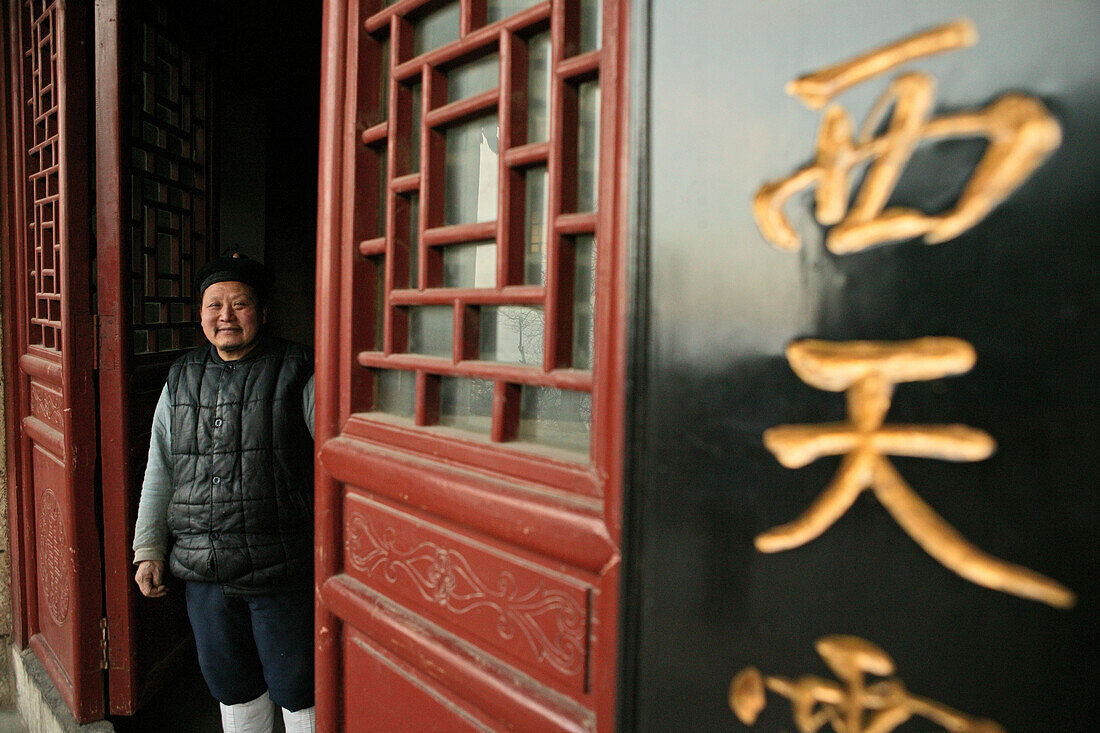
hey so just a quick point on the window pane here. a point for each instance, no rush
(466, 404)
(436, 29)
(534, 227)
(471, 174)
(511, 334)
(373, 192)
(555, 417)
(588, 124)
(414, 241)
(431, 330)
(378, 306)
(382, 191)
(584, 300)
(378, 106)
(538, 88)
(395, 392)
(414, 131)
(500, 9)
(473, 78)
(470, 265)
(591, 24)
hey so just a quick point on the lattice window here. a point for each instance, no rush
(168, 169)
(476, 218)
(45, 210)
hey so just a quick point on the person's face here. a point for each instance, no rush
(231, 318)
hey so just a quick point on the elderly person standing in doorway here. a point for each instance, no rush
(230, 482)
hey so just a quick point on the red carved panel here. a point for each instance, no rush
(46, 404)
(54, 546)
(537, 618)
(395, 690)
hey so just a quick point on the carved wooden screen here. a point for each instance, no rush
(58, 562)
(469, 361)
(169, 233)
(154, 232)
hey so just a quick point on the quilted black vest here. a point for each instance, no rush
(241, 512)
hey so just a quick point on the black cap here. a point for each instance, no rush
(236, 267)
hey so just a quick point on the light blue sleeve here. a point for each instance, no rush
(151, 530)
(308, 403)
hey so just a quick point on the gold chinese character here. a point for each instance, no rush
(868, 371)
(1020, 131)
(852, 705)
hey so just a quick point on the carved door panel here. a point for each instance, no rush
(58, 553)
(469, 360)
(154, 231)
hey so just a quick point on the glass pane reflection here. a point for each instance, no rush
(588, 144)
(584, 299)
(414, 131)
(395, 392)
(538, 88)
(555, 417)
(436, 29)
(378, 306)
(470, 265)
(466, 404)
(500, 9)
(471, 172)
(591, 25)
(431, 330)
(414, 241)
(534, 227)
(473, 78)
(511, 334)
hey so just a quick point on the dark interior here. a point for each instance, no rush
(267, 70)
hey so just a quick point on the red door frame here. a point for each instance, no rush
(129, 382)
(344, 441)
(113, 294)
(51, 428)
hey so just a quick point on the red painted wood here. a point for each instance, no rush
(435, 547)
(339, 36)
(9, 194)
(476, 679)
(53, 335)
(147, 636)
(392, 679)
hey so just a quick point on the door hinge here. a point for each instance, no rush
(104, 662)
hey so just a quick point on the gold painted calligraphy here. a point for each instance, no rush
(1020, 131)
(852, 705)
(867, 371)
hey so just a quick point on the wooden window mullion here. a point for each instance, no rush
(556, 174)
(400, 38)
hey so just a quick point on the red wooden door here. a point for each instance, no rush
(470, 359)
(154, 230)
(57, 560)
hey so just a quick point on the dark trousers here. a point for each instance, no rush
(249, 644)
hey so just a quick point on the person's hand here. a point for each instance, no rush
(150, 578)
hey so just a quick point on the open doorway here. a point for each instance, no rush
(260, 63)
(138, 139)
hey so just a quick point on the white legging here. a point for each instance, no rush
(258, 716)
